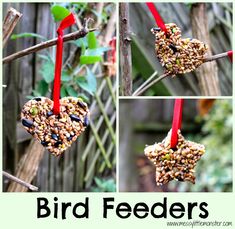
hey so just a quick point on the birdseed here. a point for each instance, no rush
(177, 55)
(55, 132)
(175, 164)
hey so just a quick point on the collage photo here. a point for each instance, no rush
(117, 97)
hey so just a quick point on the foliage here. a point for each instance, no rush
(214, 170)
(59, 12)
(104, 185)
(79, 79)
(24, 35)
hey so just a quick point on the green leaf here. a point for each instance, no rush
(63, 92)
(71, 92)
(89, 59)
(59, 12)
(44, 57)
(30, 97)
(91, 79)
(42, 88)
(82, 82)
(23, 35)
(92, 42)
(83, 97)
(36, 93)
(65, 77)
(47, 71)
(97, 52)
(80, 42)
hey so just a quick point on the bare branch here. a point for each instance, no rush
(150, 84)
(71, 36)
(99, 10)
(216, 57)
(19, 181)
(143, 86)
(125, 49)
(145, 83)
(10, 21)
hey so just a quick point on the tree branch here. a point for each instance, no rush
(10, 21)
(19, 181)
(125, 49)
(147, 84)
(207, 74)
(139, 92)
(216, 57)
(71, 36)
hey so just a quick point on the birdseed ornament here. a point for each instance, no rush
(55, 132)
(56, 124)
(178, 55)
(175, 164)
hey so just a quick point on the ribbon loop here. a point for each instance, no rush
(157, 16)
(68, 21)
(176, 122)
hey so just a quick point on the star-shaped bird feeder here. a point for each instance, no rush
(175, 164)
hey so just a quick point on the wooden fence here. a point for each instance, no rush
(93, 154)
(220, 27)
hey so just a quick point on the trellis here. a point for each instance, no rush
(93, 154)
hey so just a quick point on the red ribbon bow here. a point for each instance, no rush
(68, 21)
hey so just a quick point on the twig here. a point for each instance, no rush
(216, 57)
(19, 181)
(78, 22)
(125, 49)
(111, 27)
(142, 88)
(145, 83)
(150, 84)
(10, 21)
(71, 36)
(99, 10)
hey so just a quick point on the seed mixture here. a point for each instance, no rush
(55, 132)
(174, 164)
(177, 55)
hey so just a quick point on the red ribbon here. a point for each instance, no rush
(230, 55)
(68, 21)
(157, 16)
(176, 122)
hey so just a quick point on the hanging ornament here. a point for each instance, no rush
(178, 55)
(175, 158)
(55, 132)
(56, 124)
